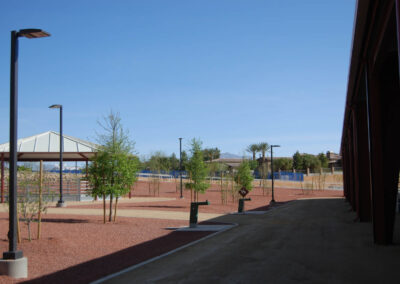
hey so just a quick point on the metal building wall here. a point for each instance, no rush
(371, 137)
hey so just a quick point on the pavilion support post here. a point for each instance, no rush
(2, 178)
(87, 174)
(40, 200)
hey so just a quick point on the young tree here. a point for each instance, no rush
(30, 203)
(253, 164)
(126, 167)
(113, 169)
(243, 176)
(158, 163)
(197, 169)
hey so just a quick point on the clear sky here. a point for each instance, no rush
(229, 72)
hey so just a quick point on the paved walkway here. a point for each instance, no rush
(151, 214)
(305, 241)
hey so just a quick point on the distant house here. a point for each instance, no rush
(231, 163)
(334, 160)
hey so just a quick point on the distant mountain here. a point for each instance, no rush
(229, 156)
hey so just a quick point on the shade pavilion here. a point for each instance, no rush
(45, 147)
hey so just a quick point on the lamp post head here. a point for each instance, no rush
(32, 33)
(55, 106)
(275, 146)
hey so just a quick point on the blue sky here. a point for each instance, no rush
(231, 73)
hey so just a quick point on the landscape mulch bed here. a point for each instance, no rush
(80, 249)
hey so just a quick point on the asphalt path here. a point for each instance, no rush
(304, 241)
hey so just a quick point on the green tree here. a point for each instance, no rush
(185, 160)
(298, 161)
(197, 169)
(30, 202)
(210, 154)
(311, 162)
(283, 164)
(24, 168)
(174, 162)
(323, 159)
(159, 162)
(243, 176)
(253, 148)
(113, 169)
(253, 164)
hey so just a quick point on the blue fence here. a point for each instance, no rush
(67, 171)
(289, 176)
(174, 174)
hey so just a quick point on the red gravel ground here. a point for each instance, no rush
(80, 249)
(259, 201)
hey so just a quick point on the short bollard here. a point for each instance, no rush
(194, 211)
(241, 204)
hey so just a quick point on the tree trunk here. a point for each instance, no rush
(115, 209)
(150, 181)
(104, 208)
(29, 230)
(111, 201)
(222, 191)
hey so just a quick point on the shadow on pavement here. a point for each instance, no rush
(112, 263)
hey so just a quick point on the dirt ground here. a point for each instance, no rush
(260, 198)
(80, 249)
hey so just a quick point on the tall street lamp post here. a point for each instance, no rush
(13, 254)
(180, 163)
(60, 202)
(272, 170)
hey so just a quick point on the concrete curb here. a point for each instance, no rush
(206, 228)
(250, 213)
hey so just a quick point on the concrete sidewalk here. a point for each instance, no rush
(151, 214)
(305, 241)
(136, 213)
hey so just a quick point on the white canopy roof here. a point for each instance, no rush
(46, 146)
